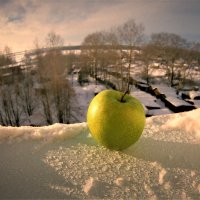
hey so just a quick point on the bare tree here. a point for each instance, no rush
(54, 40)
(103, 50)
(130, 34)
(147, 56)
(56, 90)
(92, 49)
(10, 112)
(44, 94)
(27, 95)
(164, 39)
(100, 55)
(189, 68)
(110, 56)
(169, 47)
(6, 58)
(62, 93)
(26, 88)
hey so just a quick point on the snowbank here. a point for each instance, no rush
(48, 133)
(189, 122)
(163, 164)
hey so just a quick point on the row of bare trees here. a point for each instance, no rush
(52, 94)
(101, 50)
(10, 111)
(9, 96)
(115, 51)
(16, 100)
(173, 54)
(52, 76)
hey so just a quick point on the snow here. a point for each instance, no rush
(47, 133)
(84, 94)
(189, 122)
(63, 161)
(145, 98)
(152, 105)
(164, 89)
(158, 72)
(194, 94)
(177, 102)
(162, 111)
(196, 103)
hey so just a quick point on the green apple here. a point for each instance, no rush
(113, 123)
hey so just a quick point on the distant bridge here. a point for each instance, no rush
(33, 52)
(78, 47)
(62, 48)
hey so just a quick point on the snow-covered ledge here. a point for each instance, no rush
(45, 133)
(63, 161)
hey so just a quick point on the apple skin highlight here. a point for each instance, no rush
(115, 124)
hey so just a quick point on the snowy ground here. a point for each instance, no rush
(84, 95)
(63, 161)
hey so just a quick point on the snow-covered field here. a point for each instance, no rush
(83, 96)
(63, 161)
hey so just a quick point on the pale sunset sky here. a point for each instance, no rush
(22, 21)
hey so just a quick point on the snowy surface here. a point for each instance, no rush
(177, 102)
(63, 161)
(84, 95)
(164, 89)
(146, 99)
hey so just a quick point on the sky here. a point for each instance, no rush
(23, 22)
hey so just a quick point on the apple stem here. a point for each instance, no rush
(122, 99)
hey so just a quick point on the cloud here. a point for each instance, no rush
(23, 20)
(26, 20)
(16, 15)
(15, 18)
